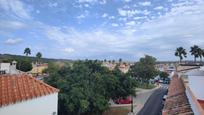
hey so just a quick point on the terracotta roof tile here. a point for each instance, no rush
(201, 102)
(177, 101)
(15, 88)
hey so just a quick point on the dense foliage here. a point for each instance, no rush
(144, 69)
(86, 87)
(24, 65)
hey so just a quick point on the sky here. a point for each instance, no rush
(101, 29)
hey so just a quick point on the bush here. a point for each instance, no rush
(24, 65)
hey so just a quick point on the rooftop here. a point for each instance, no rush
(177, 101)
(16, 88)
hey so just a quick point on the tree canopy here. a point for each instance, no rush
(38, 56)
(27, 51)
(24, 65)
(144, 69)
(86, 87)
(180, 52)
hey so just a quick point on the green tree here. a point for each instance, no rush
(163, 75)
(86, 87)
(180, 52)
(203, 53)
(27, 51)
(105, 60)
(144, 69)
(200, 54)
(120, 60)
(38, 56)
(194, 51)
(24, 65)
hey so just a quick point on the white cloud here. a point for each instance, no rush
(69, 50)
(127, 0)
(115, 25)
(86, 5)
(147, 3)
(128, 13)
(81, 16)
(122, 12)
(111, 17)
(13, 41)
(55, 4)
(102, 2)
(87, 1)
(15, 7)
(4, 25)
(137, 18)
(104, 15)
(145, 12)
(131, 13)
(100, 40)
(131, 23)
(160, 35)
(159, 8)
(85, 14)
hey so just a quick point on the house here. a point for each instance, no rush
(195, 92)
(9, 68)
(25, 95)
(38, 68)
(124, 67)
(166, 67)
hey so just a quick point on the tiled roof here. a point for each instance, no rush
(177, 101)
(16, 88)
(201, 102)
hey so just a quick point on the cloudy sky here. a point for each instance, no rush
(99, 29)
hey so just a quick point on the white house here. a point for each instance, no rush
(195, 92)
(24, 95)
(9, 68)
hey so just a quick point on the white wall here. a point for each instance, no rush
(44, 105)
(5, 66)
(192, 103)
(196, 84)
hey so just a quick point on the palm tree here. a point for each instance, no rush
(105, 60)
(195, 51)
(120, 60)
(180, 52)
(27, 51)
(38, 56)
(203, 53)
(200, 54)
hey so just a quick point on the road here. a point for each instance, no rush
(154, 105)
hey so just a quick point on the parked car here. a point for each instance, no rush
(121, 100)
(161, 81)
(166, 81)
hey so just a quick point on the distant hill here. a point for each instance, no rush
(10, 57)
